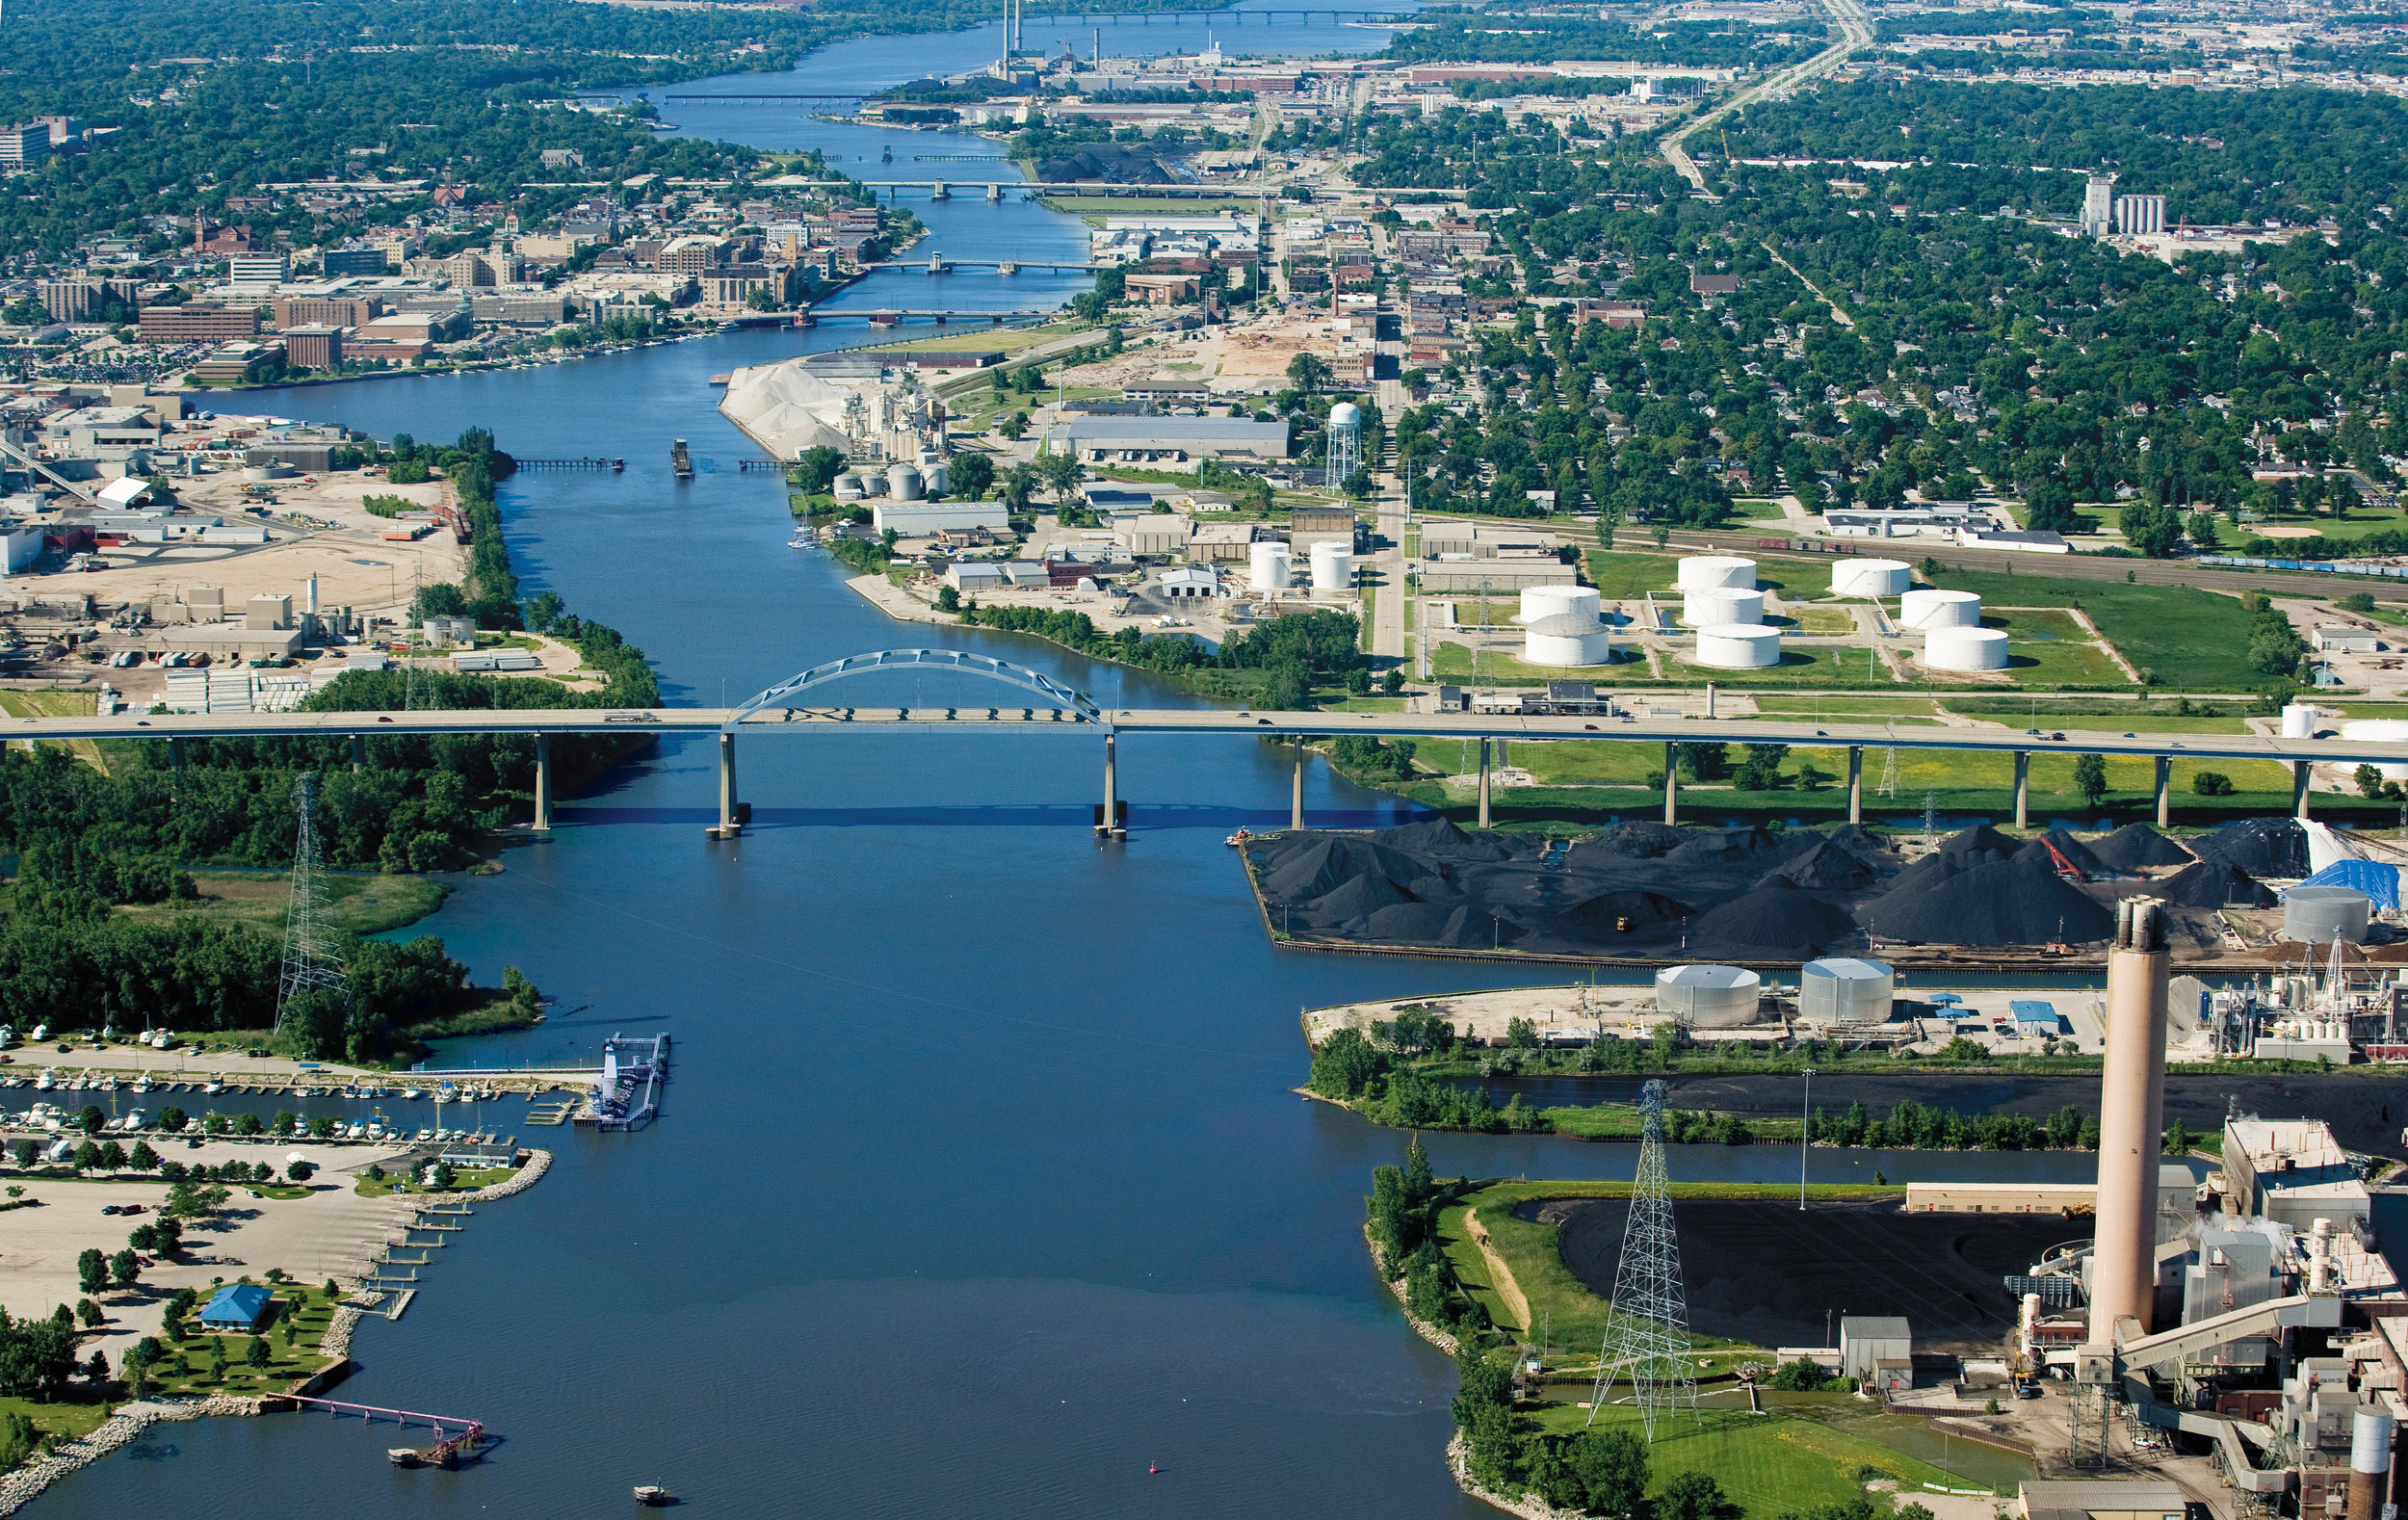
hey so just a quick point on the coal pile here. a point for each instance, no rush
(1639, 840)
(2137, 847)
(1777, 919)
(2017, 901)
(2211, 883)
(2075, 852)
(2262, 846)
(1848, 859)
(1607, 911)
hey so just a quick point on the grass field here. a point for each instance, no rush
(362, 903)
(1626, 577)
(1821, 620)
(60, 704)
(2195, 640)
(1814, 667)
(1452, 662)
(1756, 509)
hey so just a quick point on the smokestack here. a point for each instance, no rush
(2369, 1464)
(2131, 1109)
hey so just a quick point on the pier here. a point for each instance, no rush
(628, 1095)
(446, 1450)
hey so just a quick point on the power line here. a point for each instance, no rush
(311, 955)
(1648, 1327)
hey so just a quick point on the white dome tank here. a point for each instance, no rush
(1929, 607)
(1846, 990)
(1567, 640)
(1964, 648)
(1703, 572)
(902, 481)
(1550, 601)
(1719, 606)
(1333, 566)
(1269, 568)
(1346, 414)
(1708, 997)
(1738, 647)
(2370, 730)
(1871, 578)
(2299, 720)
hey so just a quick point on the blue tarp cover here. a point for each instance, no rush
(2379, 883)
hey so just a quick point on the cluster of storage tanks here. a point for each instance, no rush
(1837, 990)
(1271, 566)
(1563, 626)
(1720, 599)
(902, 480)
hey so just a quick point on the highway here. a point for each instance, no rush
(1855, 32)
(1802, 732)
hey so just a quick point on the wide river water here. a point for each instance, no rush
(980, 1187)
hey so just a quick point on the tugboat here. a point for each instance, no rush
(680, 463)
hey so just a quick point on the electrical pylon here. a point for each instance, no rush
(1647, 1336)
(1889, 774)
(310, 957)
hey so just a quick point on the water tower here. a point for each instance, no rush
(1345, 443)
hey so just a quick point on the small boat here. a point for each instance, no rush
(412, 1092)
(1238, 839)
(800, 540)
(401, 1455)
(653, 1495)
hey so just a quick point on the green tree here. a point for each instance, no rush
(947, 599)
(2212, 784)
(1308, 372)
(1344, 1065)
(1694, 1496)
(90, 1313)
(970, 476)
(299, 1171)
(816, 467)
(1013, 426)
(1610, 1467)
(91, 1270)
(2090, 779)
(2369, 781)
(1062, 474)
(125, 1269)
(257, 1354)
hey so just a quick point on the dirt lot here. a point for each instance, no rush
(1767, 1273)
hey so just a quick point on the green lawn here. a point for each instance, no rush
(2195, 640)
(1798, 667)
(2357, 525)
(1759, 509)
(1821, 620)
(362, 903)
(186, 1370)
(1627, 577)
(1452, 662)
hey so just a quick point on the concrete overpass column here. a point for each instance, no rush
(2165, 789)
(175, 754)
(1296, 790)
(727, 787)
(1856, 783)
(2023, 788)
(360, 751)
(1672, 782)
(544, 784)
(1483, 783)
(2299, 787)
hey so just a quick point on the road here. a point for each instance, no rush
(1802, 732)
(1855, 32)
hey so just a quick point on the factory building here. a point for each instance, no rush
(2292, 1171)
(1178, 441)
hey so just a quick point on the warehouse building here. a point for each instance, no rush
(1174, 441)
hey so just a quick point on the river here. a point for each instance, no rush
(980, 1187)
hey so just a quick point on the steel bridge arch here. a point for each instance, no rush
(957, 660)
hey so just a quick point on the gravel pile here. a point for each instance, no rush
(2137, 847)
(2211, 883)
(2018, 902)
(1776, 917)
(2262, 846)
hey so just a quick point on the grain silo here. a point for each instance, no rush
(1708, 997)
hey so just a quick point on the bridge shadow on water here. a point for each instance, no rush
(1042, 815)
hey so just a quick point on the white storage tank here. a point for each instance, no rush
(1929, 607)
(1871, 578)
(1739, 647)
(1550, 601)
(1964, 648)
(1268, 566)
(2299, 720)
(2313, 915)
(1704, 573)
(1708, 997)
(1567, 640)
(2367, 730)
(1722, 605)
(848, 488)
(1846, 990)
(1333, 566)
(902, 481)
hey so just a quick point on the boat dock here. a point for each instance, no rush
(628, 1095)
(455, 1439)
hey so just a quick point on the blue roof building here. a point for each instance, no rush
(238, 1306)
(2034, 1018)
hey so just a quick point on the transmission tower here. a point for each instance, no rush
(1889, 774)
(1648, 1327)
(311, 958)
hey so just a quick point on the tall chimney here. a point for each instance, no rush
(2132, 1110)
(2369, 1464)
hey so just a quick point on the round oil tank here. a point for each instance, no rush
(1333, 566)
(1268, 566)
(2299, 720)
(1738, 647)
(1346, 414)
(1551, 601)
(1846, 990)
(2313, 915)
(902, 481)
(1871, 578)
(1928, 607)
(1703, 572)
(848, 488)
(1964, 648)
(1713, 608)
(1708, 997)
(2376, 731)
(1567, 640)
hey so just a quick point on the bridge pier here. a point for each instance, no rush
(1856, 783)
(2165, 789)
(543, 783)
(727, 827)
(994, 191)
(1296, 794)
(1108, 826)
(360, 751)
(1671, 781)
(940, 191)
(175, 754)
(2299, 788)
(1483, 783)
(2023, 788)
